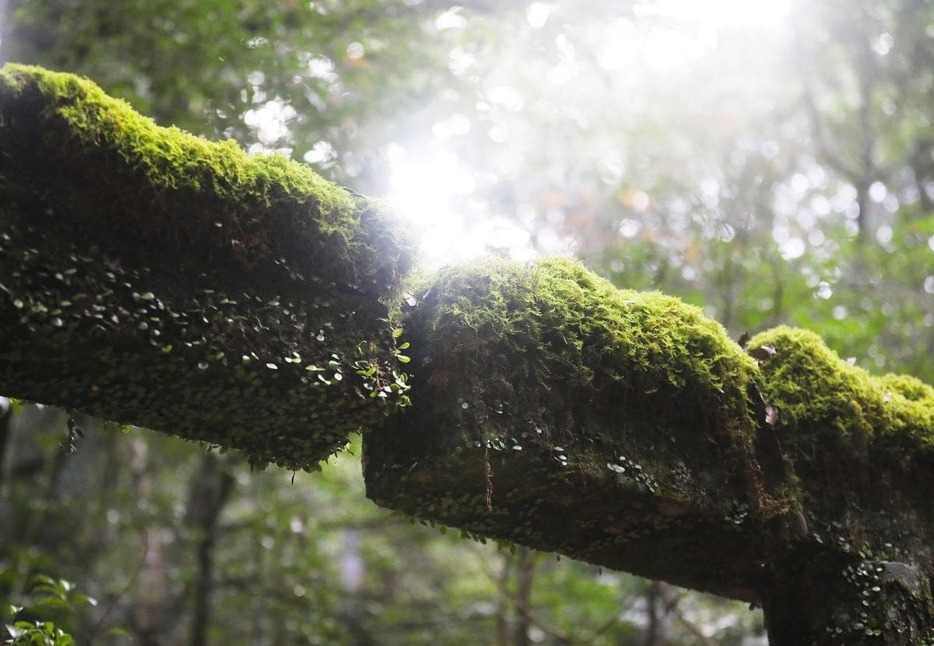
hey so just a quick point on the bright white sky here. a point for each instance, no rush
(431, 193)
(719, 13)
(432, 190)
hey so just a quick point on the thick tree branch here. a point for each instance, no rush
(150, 277)
(153, 278)
(627, 430)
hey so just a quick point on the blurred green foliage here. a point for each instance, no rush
(48, 598)
(770, 173)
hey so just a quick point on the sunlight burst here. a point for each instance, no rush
(426, 193)
(720, 14)
(432, 194)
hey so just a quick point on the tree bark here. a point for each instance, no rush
(503, 601)
(546, 415)
(837, 598)
(6, 414)
(525, 575)
(657, 610)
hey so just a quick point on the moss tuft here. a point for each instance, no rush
(262, 204)
(820, 397)
(861, 447)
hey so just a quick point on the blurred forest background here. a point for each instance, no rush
(768, 161)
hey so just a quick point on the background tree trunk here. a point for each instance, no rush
(210, 492)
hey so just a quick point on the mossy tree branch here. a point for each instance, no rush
(153, 278)
(627, 430)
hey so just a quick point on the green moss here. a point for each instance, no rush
(523, 330)
(627, 429)
(152, 277)
(860, 447)
(556, 411)
(558, 318)
(820, 396)
(171, 157)
(267, 203)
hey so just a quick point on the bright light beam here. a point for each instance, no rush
(432, 194)
(426, 194)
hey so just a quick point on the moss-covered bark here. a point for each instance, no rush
(554, 411)
(150, 277)
(860, 451)
(154, 278)
(627, 430)
(837, 596)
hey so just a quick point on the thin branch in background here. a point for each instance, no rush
(656, 635)
(522, 597)
(502, 603)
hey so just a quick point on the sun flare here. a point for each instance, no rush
(426, 194)
(434, 192)
(721, 14)
(681, 30)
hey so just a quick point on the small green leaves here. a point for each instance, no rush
(57, 596)
(401, 358)
(633, 471)
(559, 455)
